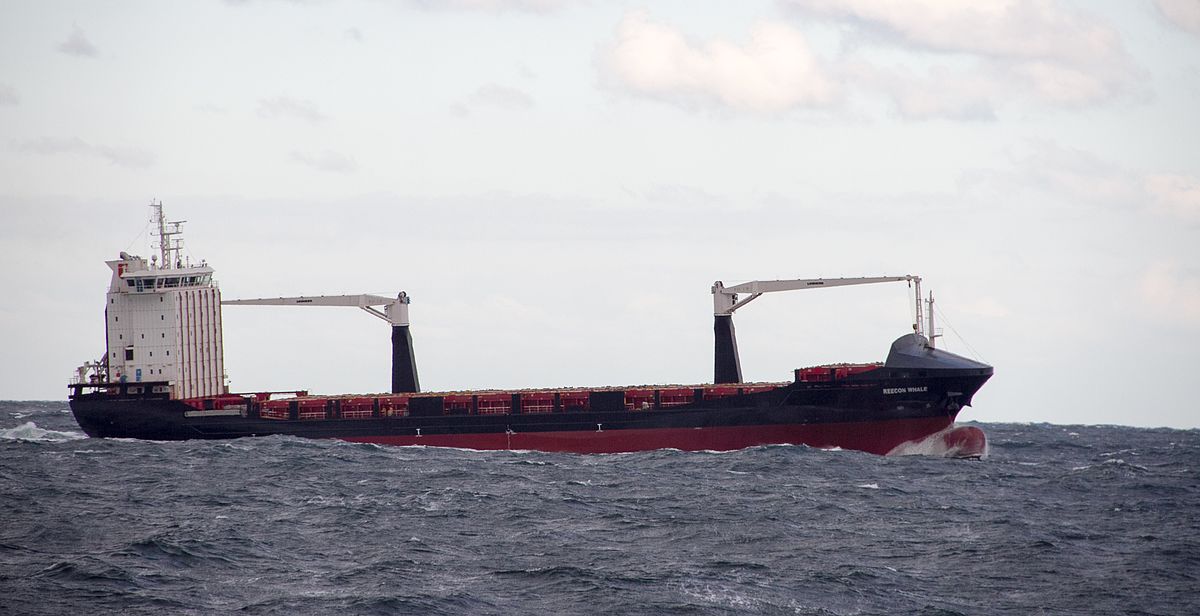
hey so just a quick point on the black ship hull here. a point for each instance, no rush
(875, 411)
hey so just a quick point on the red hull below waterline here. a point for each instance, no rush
(879, 437)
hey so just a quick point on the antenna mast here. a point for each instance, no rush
(169, 246)
(919, 317)
(931, 334)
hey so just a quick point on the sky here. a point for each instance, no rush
(557, 184)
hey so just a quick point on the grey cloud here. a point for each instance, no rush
(78, 45)
(325, 161)
(495, 6)
(120, 156)
(285, 107)
(494, 95)
(247, 2)
(1084, 180)
(1042, 52)
(958, 61)
(8, 95)
(355, 35)
(1183, 13)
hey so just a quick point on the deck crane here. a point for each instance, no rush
(395, 312)
(727, 366)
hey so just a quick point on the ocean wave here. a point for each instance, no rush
(281, 525)
(29, 431)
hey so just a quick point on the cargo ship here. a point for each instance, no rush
(162, 377)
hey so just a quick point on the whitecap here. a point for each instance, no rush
(869, 486)
(30, 431)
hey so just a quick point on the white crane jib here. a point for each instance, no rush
(395, 312)
(727, 368)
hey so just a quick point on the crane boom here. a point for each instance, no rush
(725, 298)
(395, 312)
(727, 365)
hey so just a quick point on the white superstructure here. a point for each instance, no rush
(163, 319)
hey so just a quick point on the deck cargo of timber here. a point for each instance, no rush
(162, 377)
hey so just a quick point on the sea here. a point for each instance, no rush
(1053, 520)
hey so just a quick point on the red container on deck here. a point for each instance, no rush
(274, 409)
(720, 391)
(310, 408)
(575, 400)
(668, 398)
(393, 406)
(495, 404)
(456, 404)
(540, 402)
(358, 408)
(639, 400)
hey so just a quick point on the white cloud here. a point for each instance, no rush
(78, 45)
(773, 71)
(285, 107)
(1031, 29)
(1176, 195)
(247, 2)
(326, 161)
(120, 156)
(1036, 50)
(497, 6)
(1182, 13)
(1172, 292)
(942, 92)
(8, 95)
(494, 95)
(1079, 177)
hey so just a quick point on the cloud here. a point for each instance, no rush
(354, 34)
(984, 54)
(123, 157)
(1172, 292)
(285, 107)
(78, 45)
(494, 95)
(247, 2)
(1176, 195)
(8, 95)
(1079, 177)
(495, 6)
(940, 92)
(1183, 13)
(773, 71)
(326, 161)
